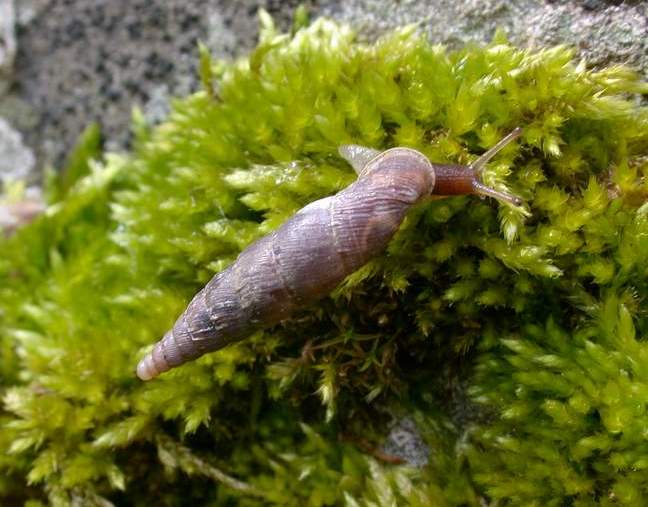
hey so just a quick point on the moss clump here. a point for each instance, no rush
(572, 409)
(546, 301)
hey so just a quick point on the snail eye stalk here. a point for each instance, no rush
(478, 165)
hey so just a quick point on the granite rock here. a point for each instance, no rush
(405, 442)
(16, 160)
(27, 10)
(603, 32)
(7, 43)
(83, 61)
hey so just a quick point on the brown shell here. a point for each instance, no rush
(299, 263)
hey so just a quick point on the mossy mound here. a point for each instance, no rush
(538, 313)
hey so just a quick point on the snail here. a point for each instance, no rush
(314, 250)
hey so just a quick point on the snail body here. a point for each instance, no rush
(313, 251)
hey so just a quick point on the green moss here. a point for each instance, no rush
(295, 413)
(572, 410)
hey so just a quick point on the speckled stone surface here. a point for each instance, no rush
(17, 161)
(7, 42)
(405, 442)
(602, 31)
(80, 61)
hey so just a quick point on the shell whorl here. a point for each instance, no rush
(299, 263)
(156, 363)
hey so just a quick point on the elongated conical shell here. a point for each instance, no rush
(299, 263)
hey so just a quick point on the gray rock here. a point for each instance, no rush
(7, 43)
(81, 61)
(18, 112)
(157, 107)
(16, 160)
(601, 31)
(404, 441)
(27, 10)
(603, 34)
(226, 30)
